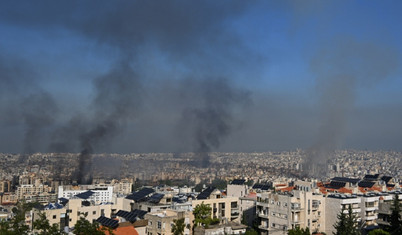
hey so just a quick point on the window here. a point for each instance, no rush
(159, 225)
(94, 212)
(54, 216)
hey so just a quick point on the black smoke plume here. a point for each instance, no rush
(212, 119)
(117, 100)
(196, 39)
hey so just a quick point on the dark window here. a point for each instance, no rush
(54, 216)
(94, 212)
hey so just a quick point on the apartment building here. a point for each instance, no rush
(369, 208)
(237, 188)
(5, 186)
(335, 203)
(225, 208)
(26, 190)
(55, 213)
(248, 208)
(100, 193)
(385, 208)
(122, 187)
(281, 211)
(161, 222)
(70, 211)
(8, 198)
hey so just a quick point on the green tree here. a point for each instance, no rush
(5, 228)
(17, 226)
(378, 232)
(178, 227)
(44, 228)
(299, 231)
(395, 218)
(346, 224)
(84, 227)
(202, 215)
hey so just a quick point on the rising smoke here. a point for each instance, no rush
(176, 63)
(342, 68)
(191, 35)
(22, 99)
(210, 121)
(117, 100)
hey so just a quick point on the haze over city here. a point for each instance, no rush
(199, 76)
(181, 117)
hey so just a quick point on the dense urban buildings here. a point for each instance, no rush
(149, 193)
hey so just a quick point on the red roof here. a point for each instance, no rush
(287, 189)
(123, 230)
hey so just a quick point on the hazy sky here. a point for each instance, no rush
(173, 76)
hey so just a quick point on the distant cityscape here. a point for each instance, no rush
(266, 191)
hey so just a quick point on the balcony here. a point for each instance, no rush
(263, 204)
(372, 208)
(263, 227)
(262, 215)
(382, 222)
(354, 211)
(262, 200)
(296, 206)
(372, 217)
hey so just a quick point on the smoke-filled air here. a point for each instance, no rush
(92, 77)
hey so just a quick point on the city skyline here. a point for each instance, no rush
(179, 76)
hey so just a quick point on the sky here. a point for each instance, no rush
(202, 76)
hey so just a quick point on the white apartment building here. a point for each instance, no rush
(225, 208)
(333, 206)
(369, 209)
(237, 188)
(279, 212)
(101, 194)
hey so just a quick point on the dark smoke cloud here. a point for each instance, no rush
(118, 96)
(341, 68)
(193, 34)
(212, 119)
(153, 48)
(24, 103)
(39, 111)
